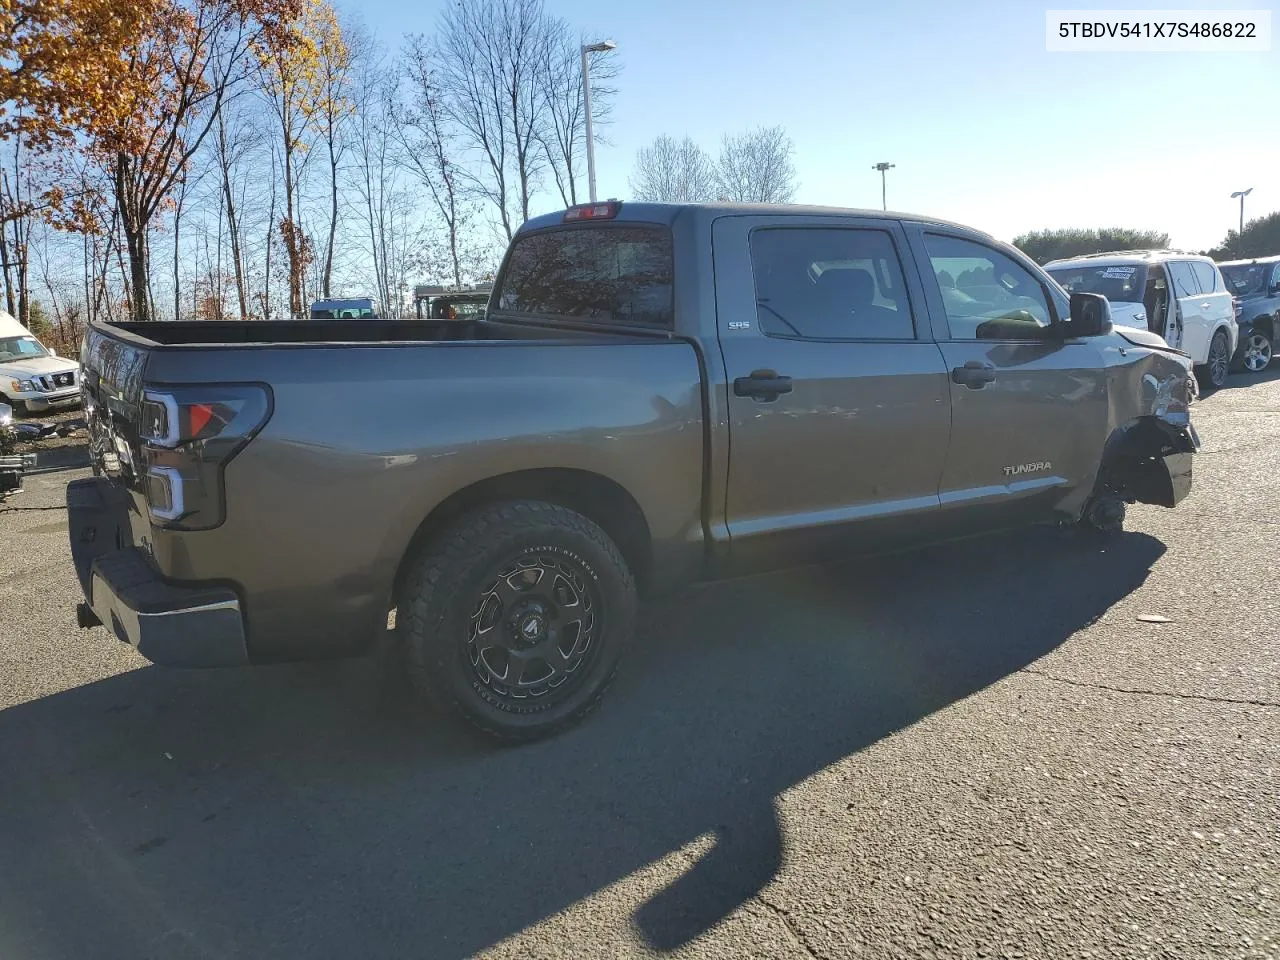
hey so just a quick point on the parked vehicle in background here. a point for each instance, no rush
(658, 394)
(359, 308)
(12, 463)
(450, 303)
(1180, 296)
(32, 377)
(1255, 284)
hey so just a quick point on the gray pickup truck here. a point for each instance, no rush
(656, 394)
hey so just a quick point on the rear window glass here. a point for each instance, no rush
(611, 274)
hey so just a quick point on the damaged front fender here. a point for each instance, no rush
(1148, 454)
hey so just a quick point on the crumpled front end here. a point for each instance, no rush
(1149, 450)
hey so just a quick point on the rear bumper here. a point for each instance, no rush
(169, 624)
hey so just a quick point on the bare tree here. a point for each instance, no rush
(563, 135)
(489, 56)
(673, 171)
(232, 145)
(756, 167)
(430, 145)
(339, 46)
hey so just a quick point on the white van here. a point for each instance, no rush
(32, 377)
(1180, 296)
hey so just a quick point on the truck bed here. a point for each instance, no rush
(221, 332)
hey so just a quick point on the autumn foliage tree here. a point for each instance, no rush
(154, 75)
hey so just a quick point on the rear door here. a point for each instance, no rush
(1028, 408)
(838, 400)
(1194, 310)
(1215, 300)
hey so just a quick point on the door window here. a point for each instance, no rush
(987, 295)
(1185, 283)
(829, 284)
(1206, 276)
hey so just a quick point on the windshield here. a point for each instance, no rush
(1244, 278)
(20, 348)
(1119, 283)
(601, 274)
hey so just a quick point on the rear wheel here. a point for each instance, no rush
(1257, 352)
(516, 619)
(1213, 373)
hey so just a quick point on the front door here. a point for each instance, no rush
(837, 397)
(1029, 409)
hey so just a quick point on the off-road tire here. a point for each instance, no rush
(444, 590)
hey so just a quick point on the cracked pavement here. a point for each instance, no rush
(974, 751)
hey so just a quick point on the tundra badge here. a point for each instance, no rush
(1036, 467)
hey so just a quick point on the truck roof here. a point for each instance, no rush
(667, 212)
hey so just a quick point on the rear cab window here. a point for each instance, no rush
(829, 283)
(616, 274)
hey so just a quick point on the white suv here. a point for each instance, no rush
(1198, 318)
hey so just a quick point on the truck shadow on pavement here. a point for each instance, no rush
(292, 811)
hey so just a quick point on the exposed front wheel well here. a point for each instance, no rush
(1133, 467)
(599, 499)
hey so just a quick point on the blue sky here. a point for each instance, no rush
(984, 126)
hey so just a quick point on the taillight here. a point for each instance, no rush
(592, 211)
(189, 435)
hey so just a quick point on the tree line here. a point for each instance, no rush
(1261, 238)
(176, 159)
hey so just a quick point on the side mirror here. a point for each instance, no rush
(1273, 290)
(1090, 315)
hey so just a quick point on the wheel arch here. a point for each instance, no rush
(1133, 459)
(598, 498)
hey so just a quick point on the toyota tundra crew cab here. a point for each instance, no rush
(655, 394)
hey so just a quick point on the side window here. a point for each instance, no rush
(829, 284)
(987, 295)
(1275, 278)
(1184, 280)
(1206, 276)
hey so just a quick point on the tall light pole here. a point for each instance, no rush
(1242, 194)
(882, 167)
(587, 48)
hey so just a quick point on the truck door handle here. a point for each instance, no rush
(974, 374)
(762, 385)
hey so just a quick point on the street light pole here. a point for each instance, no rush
(586, 106)
(882, 167)
(1242, 194)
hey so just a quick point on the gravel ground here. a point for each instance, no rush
(975, 751)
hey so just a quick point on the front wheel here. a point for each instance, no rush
(1257, 352)
(515, 619)
(1103, 517)
(1213, 373)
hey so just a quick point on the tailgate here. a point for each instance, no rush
(112, 366)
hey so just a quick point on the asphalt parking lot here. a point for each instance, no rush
(979, 750)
